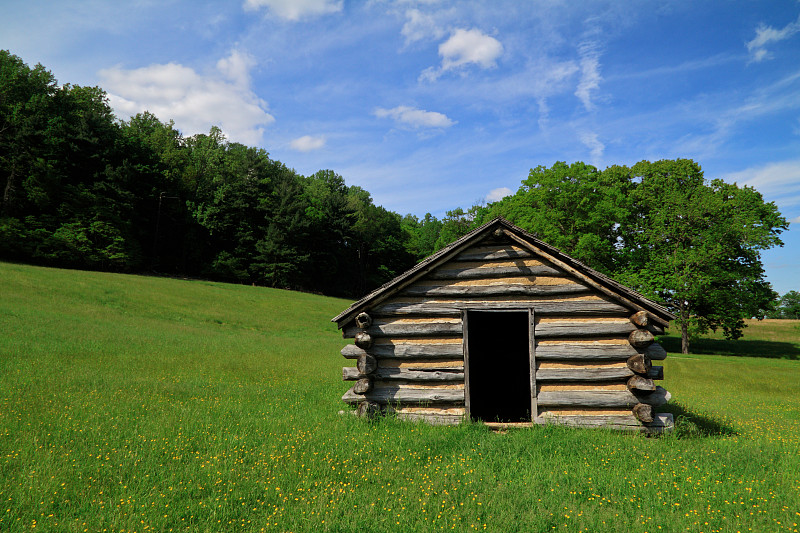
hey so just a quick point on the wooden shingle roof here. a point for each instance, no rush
(624, 295)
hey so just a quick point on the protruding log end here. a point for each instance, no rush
(363, 385)
(366, 364)
(363, 320)
(498, 233)
(641, 383)
(656, 352)
(640, 363)
(363, 340)
(368, 409)
(641, 338)
(643, 412)
(640, 318)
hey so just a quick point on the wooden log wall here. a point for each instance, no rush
(593, 355)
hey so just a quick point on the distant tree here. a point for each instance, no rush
(421, 234)
(455, 224)
(787, 306)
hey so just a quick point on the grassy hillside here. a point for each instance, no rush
(137, 404)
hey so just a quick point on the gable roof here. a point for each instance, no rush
(624, 295)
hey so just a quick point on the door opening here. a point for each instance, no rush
(498, 365)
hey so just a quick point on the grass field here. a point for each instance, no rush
(133, 403)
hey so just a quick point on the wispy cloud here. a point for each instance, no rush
(194, 101)
(307, 143)
(495, 195)
(296, 9)
(766, 35)
(420, 26)
(417, 118)
(463, 48)
(589, 52)
(591, 141)
(778, 181)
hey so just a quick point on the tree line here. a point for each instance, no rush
(82, 189)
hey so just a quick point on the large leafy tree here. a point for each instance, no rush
(696, 245)
(576, 208)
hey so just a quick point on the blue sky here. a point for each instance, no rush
(432, 105)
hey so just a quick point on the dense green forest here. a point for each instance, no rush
(83, 189)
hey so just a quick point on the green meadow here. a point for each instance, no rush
(132, 403)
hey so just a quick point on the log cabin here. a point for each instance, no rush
(502, 328)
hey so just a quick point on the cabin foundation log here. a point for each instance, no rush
(643, 412)
(397, 395)
(662, 422)
(590, 398)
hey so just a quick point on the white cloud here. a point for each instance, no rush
(495, 195)
(795, 220)
(418, 118)
(779, 182)
(465, 47)
(590, 73)
(420, 26)
(307, 143)
(766, 35)
(194, 101)
(296, 9)
(591, 141)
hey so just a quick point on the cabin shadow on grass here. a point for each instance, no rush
(689, 424)
(738, 348)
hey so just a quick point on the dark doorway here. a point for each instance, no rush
(499, 382)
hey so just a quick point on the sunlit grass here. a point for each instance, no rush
(145, 404)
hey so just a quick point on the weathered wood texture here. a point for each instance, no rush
(640, 383)
(662, 422)
(643, 412)
(433, 419)
(383, 395)
(363, 320)
(640, 338)
(494, 272)
(403, 351)
(363, 385)
(492, 253)
(596, 351)
(476, 291)
(593, 374)
(640, 363)
(366, 364)
(640, 318)
(363, 339)
(565, 328)
(541, 308)
(591, 398)
(350, 373)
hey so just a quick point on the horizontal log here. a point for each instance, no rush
(662, 422)
(436, 420)
(593, 374)
(585, 351)
(440, 329)
(402, 351)
(471, 291)
(384, 395)
(350, 373)
(601, 398)
(655, 329)
(656, 352)
(582, 329)
(491, 255)
(495, 272)
(454, 309)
